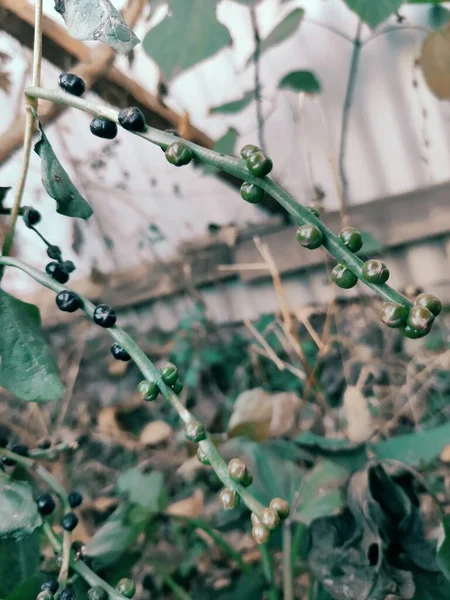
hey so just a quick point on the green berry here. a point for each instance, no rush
(281, 507)
(315, 211)
(202, 457)
(352, 238)
(97, 593)
(260, 534)
(229, 499)
(343, 277)
(251, 193)
(126, 587)
(237, 470)
(248, 150)
(309, 236)
(169, 373)
(259, 164)
(375, 271)
(270, 518)
(148, 390)
(420, 318)
(178, 154)
(429, 301)
(393, 314)
(194, 431)
(412, 333)
(177, 387)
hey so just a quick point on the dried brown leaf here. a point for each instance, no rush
(155, 433)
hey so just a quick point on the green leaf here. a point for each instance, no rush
(58, 186)
(438, 16)
(300, 81)
(189, 34)
(29, 589)
(311, 440)
(144, 489)
(281, 32)
(99, 21)
(374, 13)
(19, 536)
(414, 449)
(234, 106)
(28, 368)
(321, 491)
(443, 553)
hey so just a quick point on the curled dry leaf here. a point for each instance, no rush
(435, 62)
(109, 426)
(359, 420)
(188, 507)
(155, 433)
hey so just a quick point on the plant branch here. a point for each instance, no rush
(151, 373)
(237, 168)
(29, 129)
(268, 569)
(66, 550)
(288, 593)
(178, 592)
(346, 119)
(257, 63)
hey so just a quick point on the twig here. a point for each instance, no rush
(256, 64)
(270, 352)
(268, 569)
(178, 591)
(66, 548)
(345, 121)
(288, 593)
(29, 129)
(236, 167)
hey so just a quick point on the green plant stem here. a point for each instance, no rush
(176, 589)
(236, 167)
(66, 549)
(151, 373)
(217, 538)
(50, 452)
(268, 569)
(80, 567)
(288, 593)
(34, 467)
(29, 128)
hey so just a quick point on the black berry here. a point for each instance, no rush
(69, 521)
(57, 272)
(30, 216)
(8, 461)
(67, 594)
(44, 444)
(132, 118)
(75, 499)
(68, 301)
(69, 266)
(3, 441)
(120, 353)
(54, 252)
(46, 505)
(103, 128)
(51, 585)
(104, 316)
(72, 84)
(20, 449)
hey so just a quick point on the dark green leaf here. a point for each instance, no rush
(28, 368)
(234, 106)
(300, 81)
(58, 186)
(414, 449)
(374, 13)
(19, 537)
(29, 589)
(438, 16)
(188, 35)
(311, 440)
(99, 21)
(431, 586)
(281, 32)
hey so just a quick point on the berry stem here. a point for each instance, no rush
(66, 549)
(29, 129)
(237, 168)
(268, 569)
(151, 373)
(80, 567)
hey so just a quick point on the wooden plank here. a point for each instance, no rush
(393, 221)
